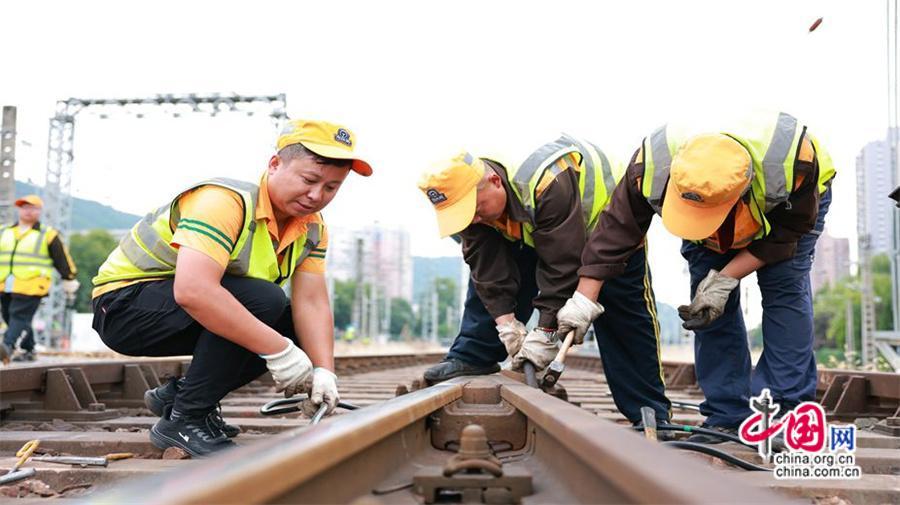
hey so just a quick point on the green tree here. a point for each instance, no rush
(89, 251)
(344, 292)
(402, 317)
(830, 307)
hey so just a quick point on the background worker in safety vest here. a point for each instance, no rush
(744, 199)
(523, 225)
(29, 251)
(203, 275)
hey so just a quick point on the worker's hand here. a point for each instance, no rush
(540, 347)
(323, 388)
(709, 300)
(70, 288)
(291, 369)
(577, 315)
(511, 334)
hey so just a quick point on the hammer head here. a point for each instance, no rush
(552, 374)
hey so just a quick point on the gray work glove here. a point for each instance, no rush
(577, 315)
(322, 387)
(540, 347)
(512, 334)
(709, 300)
(290, 368)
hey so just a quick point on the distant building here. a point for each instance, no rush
(832, 261)
(875, 181)
(386, 260)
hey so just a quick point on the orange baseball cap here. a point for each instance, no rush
(452, 187)
(31, 200)
(708, 175)
(325, 139)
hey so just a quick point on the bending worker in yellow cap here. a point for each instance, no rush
(744, 199)
(202, 275)
(523, 225)
(29, 251)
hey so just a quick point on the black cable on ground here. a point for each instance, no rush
(696, 429)
(705, 449)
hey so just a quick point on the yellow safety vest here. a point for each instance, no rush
(597, 178)
(27, 259)
(772, 141)
(145, 252)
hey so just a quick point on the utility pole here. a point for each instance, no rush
(359, 292)
(849, 334)
(434, 311)
(7, 164)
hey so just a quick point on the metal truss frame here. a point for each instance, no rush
(61, 154)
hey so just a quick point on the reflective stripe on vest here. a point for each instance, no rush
(777, 167)
(145, 251)
(595, 189)
(533, 165)
(22, 259)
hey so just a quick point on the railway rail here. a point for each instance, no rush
(404, 444)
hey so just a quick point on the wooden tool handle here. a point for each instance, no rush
(564, 348)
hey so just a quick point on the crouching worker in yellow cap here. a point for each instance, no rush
(203, 275)
(29, 252)
(747, 198)
(523, 225)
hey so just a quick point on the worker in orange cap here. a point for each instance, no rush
(203, 275)
(523, 223)
(29, 252)
(749, 198)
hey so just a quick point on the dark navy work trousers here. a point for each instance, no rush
(627, 333)
(721, 352)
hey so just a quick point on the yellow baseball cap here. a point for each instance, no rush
(452, 187)
(325, 139)
(708, 176)
(30, 199)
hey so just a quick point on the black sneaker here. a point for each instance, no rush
(451, 368)
(215, 418)
(4, 353)
(703, 438)
(158, 399)
(25, 356)
(194, 435)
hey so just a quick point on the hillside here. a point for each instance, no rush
(87, 214)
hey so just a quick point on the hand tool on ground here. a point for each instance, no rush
(323, 408)
(73, 460)
(23, 454)
(288, 405)
(648, 418)
(530, 374)
(558, 365)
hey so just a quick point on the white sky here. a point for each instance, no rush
(417, 81)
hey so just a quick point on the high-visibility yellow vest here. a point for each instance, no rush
(597, 178)
(145, 252)
(27, 259)
(772, 139)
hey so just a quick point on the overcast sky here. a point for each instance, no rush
(417, 81)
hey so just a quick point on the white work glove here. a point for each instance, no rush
(291, 369)
(540, 347)
(511, 334)
(709, 300)
(577, 315)
(70, 288)
(323, 388)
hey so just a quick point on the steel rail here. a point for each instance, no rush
(270, 468)
(639, 471)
